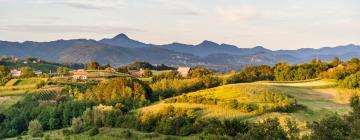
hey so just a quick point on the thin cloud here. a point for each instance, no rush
(68, 29)
(84, 4)
(238, 13)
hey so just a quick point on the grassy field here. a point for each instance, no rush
(22, 84)
(316, 98)
(318, 101)
(104, 73)
(8, 101)
(158, 72)
(243, 93)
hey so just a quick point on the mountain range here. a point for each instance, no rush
(121, 50)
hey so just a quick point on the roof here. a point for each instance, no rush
(80, 73)
(137, 74)
(184, 69)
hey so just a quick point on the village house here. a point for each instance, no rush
(184, 71)
(110, 69)
(80, 74)
(38, 72)
(137, 74)
(15, 73)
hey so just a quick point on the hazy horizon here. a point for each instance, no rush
(272, 24)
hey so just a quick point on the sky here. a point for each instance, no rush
(273, 24)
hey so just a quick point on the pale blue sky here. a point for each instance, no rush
(274, 24)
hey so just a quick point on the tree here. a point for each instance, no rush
(336, 61)
(123, 69)
(93, 65)
(119, 88)
(27, 72)
(77, 125)
(88, 117)
(35, 129)
(199, 72)
(148, 73)
(62, 71)
(5, 75)
(331, 128)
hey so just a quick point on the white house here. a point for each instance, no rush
(15, 73)
(184, 71)
(80, 74)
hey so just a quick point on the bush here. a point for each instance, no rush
(35, 129)
(93, 131)
(126, 134)
(352, 81)
(66, 132)
(77, 125)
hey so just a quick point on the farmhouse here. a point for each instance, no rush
(137, 74)
(184, 71)
(80, 74)
(15, 73)
(38, 72)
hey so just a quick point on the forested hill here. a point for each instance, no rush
(122, 50)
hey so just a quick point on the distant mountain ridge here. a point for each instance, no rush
(121, 50)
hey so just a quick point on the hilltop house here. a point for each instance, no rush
(80, 74)
(137, 74)
(15, 73)
(38, 72)
(184, 71)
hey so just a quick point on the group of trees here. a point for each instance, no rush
(252, 73)
(343, 70)
(117, 89)
(282, 71)
(51, 116)
(143, 65)
(166, 88)
(285, 72)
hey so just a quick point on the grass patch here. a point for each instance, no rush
(23, 84)
(7, 101)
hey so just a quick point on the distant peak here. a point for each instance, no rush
(259, 47)
(208, 43)
(121, 36)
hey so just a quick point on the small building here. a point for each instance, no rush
(15, 73)
(137, 74)
(38, 72)
(184, 71)
(80, 74)
(110, 69)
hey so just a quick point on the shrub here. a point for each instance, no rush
(93, 131)
(126, 134)
(66, 132)
(77, 125)
(35, 129)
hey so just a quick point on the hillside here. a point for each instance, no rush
(315, 100)
(121, 50)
